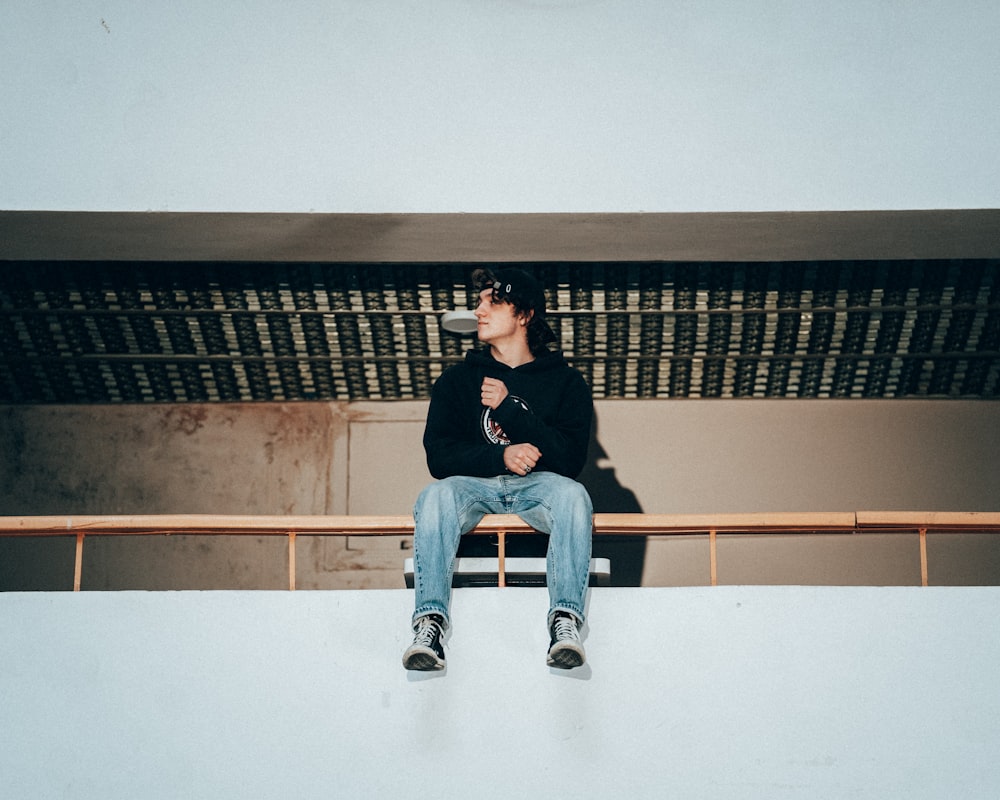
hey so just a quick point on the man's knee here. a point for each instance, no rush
(575, 493)
(436, 492)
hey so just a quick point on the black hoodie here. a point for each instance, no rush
(548, 405)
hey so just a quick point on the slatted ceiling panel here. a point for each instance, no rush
(583, 344)
(752, 331)
(121, 333)
(919, 329)
(820, 325)
(717, 378)
(345, 337)
(683, 346)
(987, 335)
(893, 295)
(651, 330)
(310, 329)
(857, 325)
(959, 328)
(410, 283)
(209, 330)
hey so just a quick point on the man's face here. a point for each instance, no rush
(497, 320)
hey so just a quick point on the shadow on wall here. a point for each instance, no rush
(626, 553)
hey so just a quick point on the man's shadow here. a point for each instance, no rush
(626, 553)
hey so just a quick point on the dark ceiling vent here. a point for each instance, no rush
(82, 332)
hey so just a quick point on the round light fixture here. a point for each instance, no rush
(460, 322)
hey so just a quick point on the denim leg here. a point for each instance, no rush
(443, 512)
(560, 507)
(550, 503)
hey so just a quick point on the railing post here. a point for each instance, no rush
(713, 557)
(501, 558)
(78, 563)
(923, 556)
(291, 561)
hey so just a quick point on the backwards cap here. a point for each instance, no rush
(523, 291)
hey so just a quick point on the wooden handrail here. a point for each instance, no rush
(938, 521)
(629, 524)
(402, 525)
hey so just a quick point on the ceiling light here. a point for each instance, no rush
(460, 322)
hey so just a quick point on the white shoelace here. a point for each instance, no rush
(564, 627)
(426, 632)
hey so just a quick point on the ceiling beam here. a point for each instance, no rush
(477, 238)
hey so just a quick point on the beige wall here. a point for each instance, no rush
(366, 458)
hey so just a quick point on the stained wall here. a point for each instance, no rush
(366, 458)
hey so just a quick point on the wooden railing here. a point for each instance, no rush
(502, 525)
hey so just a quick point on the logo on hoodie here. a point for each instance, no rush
(491, 429)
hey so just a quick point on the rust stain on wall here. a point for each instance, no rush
(188, 419)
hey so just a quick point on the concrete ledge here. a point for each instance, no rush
(721, 692)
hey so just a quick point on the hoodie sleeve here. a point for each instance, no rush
(565, 440)
(452, 440)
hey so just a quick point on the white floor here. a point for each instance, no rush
(725, 692)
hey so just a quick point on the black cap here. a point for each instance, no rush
(523, 291)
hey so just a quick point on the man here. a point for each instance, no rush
(507, 433)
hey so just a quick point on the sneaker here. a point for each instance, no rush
(426, 653)
(565, 649)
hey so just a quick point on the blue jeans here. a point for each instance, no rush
(548, 502)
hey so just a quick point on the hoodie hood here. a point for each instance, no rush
(483, 359)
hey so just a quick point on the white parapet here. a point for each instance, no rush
(714, 692)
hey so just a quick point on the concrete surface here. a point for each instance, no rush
(726, 692)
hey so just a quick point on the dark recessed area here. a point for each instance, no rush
(163, 332)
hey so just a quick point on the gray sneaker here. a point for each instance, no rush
(426, 653)
(565, 649)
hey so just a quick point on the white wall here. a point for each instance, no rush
(499, 106)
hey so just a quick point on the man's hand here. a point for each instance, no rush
(517, 458)
(493, 392)
(521, 458)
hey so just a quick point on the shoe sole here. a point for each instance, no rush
(565, 656)
(422, 660)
